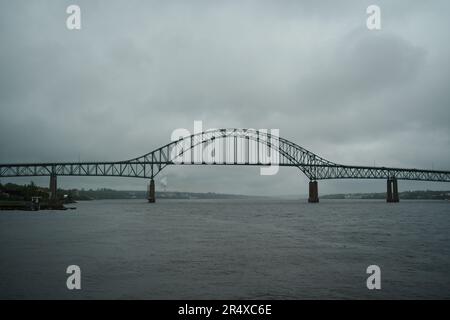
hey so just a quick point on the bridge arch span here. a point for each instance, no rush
(281, 151)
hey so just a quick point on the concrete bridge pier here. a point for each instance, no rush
(53, 187)
(392, 190)
(151, 191)
(313, 192)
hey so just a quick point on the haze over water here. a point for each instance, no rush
(228, 249)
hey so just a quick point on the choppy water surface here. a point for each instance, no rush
(231, 249)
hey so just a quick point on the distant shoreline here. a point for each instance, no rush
(12, 192)
(406, 195)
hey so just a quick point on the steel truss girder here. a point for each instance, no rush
(290, 154)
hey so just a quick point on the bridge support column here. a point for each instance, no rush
(395, 196)
(151, 191)
(392, 190)
(313, 192)
(53, 187)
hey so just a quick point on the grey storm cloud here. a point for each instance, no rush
(137, 70)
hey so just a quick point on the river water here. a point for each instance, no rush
(228, 249)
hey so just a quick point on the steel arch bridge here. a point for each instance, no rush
(227, 147)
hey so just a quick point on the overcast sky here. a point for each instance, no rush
(137, 70)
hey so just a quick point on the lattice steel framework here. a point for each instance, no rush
(223, 147)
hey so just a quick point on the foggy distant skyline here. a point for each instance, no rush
(137, 70)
